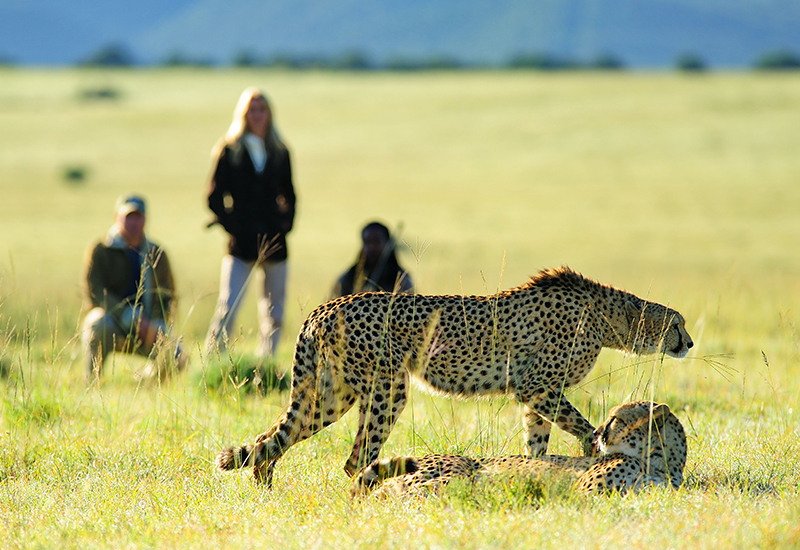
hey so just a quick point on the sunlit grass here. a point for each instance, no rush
(681, 190)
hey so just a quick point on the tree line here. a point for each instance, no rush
(117, 55)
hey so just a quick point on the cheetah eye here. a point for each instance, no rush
(616, 424)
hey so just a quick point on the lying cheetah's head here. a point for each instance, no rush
(655, 328)
(652, 443)
(640, 429)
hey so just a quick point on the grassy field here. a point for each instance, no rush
(683, 189)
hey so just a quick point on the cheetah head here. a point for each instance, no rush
(647, 432)
(655, 328)
(639, 429)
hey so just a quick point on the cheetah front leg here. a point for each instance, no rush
(551, 406)
(537, 429)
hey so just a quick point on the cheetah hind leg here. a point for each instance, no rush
(328, 407)
(262, 473)
(377, 415)
(355, 462)
(271, 445)
(380, 470)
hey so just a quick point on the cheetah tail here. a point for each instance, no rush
(233, 458)
(380, 470)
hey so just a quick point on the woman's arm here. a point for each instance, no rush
(287, 200)
(219, 189)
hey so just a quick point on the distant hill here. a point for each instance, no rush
(58, 32)
(642, 33)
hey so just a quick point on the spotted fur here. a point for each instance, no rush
(532, 343)
(640, 444)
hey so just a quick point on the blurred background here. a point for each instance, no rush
(373, 34)
(650, 144)
(653, 145)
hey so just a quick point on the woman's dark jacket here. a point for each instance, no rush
(260, 207)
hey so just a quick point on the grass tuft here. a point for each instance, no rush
(506, 493)
(245, 373)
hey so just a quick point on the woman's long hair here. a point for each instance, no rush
(238, 127)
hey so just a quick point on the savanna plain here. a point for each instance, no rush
(683, 189)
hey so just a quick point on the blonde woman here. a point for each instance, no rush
(252, 197)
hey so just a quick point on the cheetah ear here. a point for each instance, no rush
(660, 414)
(633, 311)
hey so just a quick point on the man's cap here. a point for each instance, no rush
(130, 203)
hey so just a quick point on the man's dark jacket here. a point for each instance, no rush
(108, 274)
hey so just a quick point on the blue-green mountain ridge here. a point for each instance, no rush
(642, 33)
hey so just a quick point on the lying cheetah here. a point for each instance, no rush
(531, 342)
(635, 452)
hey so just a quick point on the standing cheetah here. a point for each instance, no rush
(640, 444)
(531, 342)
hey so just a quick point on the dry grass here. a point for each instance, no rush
(680, 189)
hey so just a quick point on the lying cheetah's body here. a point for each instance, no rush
(532, 342)
(640, 444)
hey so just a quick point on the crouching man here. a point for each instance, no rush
(129, 293)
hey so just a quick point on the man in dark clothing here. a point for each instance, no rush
(376, 267)
(129, 293)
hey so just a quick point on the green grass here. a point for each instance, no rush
(679, 188)
(245, 373)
